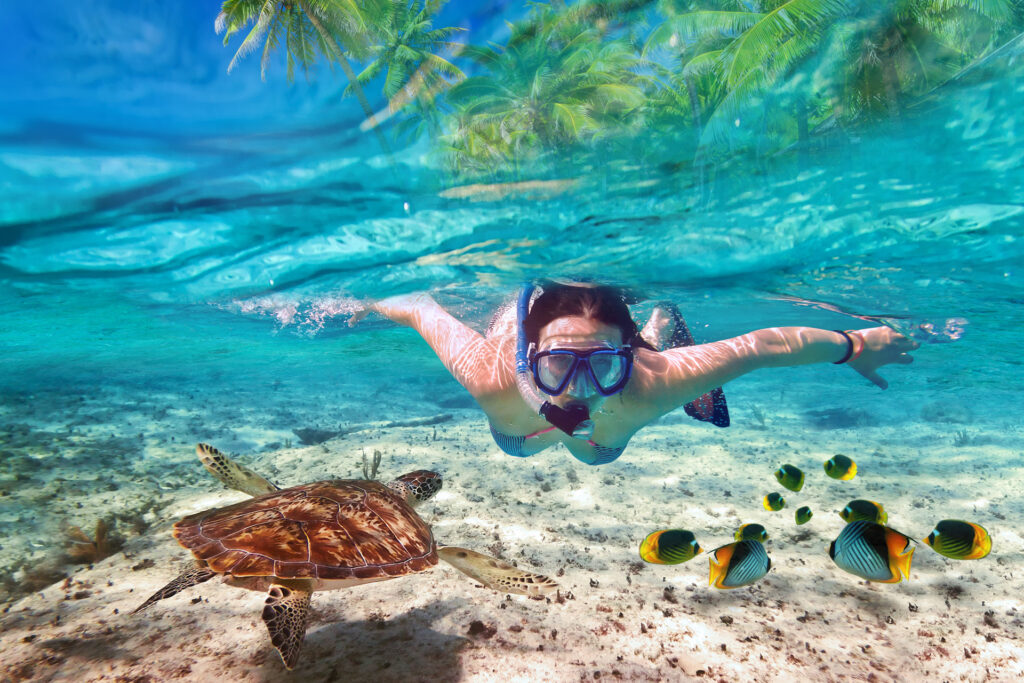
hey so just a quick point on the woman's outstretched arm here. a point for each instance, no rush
(679, 375)
(473, 360)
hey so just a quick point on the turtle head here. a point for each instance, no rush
(417, 486)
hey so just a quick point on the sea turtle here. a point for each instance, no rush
(321, 536)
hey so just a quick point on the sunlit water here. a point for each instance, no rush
(210, 276)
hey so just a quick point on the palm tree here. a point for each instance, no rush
(785, 63)
(909, 47)
(699, 38)
(308, 27)
(555, 84)
(747, 49)
(407, 55)
(330, 28)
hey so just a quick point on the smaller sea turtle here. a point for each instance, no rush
(321, 536)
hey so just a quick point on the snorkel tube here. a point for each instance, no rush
(573, 420)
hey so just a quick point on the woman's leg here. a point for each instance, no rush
(666, 329)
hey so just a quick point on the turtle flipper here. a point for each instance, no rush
(190, 577)
(494, 573)
(231, 474)
(286, 613)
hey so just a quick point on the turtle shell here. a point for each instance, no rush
(339, 529)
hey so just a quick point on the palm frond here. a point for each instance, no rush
(442, 65)
(397, 77)
(372, 71)
(301, 45)
(252, 41)
(705, 63)
(996, 10)
(271, 43)
(758, 43)
(234, 14)
(569, 117)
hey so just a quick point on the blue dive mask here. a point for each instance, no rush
(605, 369)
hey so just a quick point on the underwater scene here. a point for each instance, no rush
(655, 340)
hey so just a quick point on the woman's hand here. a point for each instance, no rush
(359, 315)
(882, 346)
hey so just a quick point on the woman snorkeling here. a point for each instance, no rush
(568, 364)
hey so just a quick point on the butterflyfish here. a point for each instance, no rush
(738, 564)
(751, 532)
(790, 476)
(669, 546)
(773, 501)
(873, 552)
(866, 510)
(960, 540)
(840, 467)
(803, 515)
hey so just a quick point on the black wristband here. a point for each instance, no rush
(849, 348)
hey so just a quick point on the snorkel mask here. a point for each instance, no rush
(583, 373)
(604, 370)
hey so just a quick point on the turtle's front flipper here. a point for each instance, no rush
(190, 577)
(285, 613)
(231, 474)
(494, 573)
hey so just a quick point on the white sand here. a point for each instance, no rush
(617, 617)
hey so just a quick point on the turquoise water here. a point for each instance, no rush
(180, 253)
(145, 260)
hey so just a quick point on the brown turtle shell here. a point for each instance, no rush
(338, 529)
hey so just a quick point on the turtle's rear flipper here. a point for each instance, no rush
(231, 474)
(285, 613)
(496, 574)
(190, 577)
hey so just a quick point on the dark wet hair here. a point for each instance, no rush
(600, 302)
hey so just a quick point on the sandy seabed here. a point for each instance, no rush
(614, 617)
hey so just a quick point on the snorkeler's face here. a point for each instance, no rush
(578, 333)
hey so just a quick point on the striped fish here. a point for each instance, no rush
(669, 546)
(738, 564)
(960, 540)
(751, 532)
(872, 551)
(868, 510)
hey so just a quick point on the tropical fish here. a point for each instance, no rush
(960, 540)
(803, 515)
(840, 467)
(774, 501)
(751, 532)
(738, 564)
(873, 552)
(866, 510)
(790, 476)
(669, 546)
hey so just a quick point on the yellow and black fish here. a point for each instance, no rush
(840, 467)
(803, 515)
(866, 510)
(960, 540)
(669, 546)
(873, 552)
(751, 532)
(773, 501)
(738, 564)
(790, 476)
